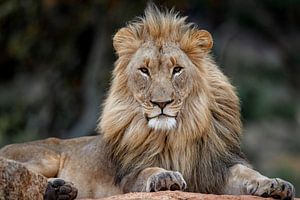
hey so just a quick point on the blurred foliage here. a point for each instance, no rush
(56, 57)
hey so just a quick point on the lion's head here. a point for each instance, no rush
(167, 95)
(161, 75)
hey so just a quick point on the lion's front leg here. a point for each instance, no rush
(244, 180)
(154, 179)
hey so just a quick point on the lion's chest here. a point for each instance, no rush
(178, 159)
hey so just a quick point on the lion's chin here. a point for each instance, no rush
(162, 123)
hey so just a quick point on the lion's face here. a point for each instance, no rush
(160, 79)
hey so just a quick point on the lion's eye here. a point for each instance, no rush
(177, 70)
(144, 70)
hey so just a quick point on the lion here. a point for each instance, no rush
(171, 121)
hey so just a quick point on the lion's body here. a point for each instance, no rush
(171, 120)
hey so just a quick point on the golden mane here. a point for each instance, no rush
(207, 140)
(160, 27)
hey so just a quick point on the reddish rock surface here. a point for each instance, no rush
(176, 195)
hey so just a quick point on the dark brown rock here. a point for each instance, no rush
(17, 182)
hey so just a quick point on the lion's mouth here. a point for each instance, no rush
(160, 116)
(162, 122)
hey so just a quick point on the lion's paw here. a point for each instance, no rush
(168, 180)
(275, 188)
(58, 189)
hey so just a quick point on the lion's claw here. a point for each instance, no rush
(168, 180)
(58, 189)
(277, 189)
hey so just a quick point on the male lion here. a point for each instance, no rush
(171, 121)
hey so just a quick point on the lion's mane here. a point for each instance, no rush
(207, 140)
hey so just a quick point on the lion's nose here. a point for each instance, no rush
(162, 104)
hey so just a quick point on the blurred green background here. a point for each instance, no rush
(56, 57)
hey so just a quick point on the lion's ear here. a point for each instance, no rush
(197, 42)
(125, 42)
(203, 39)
